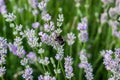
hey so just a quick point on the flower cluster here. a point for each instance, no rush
(46, 16)
(60, 20)
(111, 16)
(85, 65)
(44, 61)
(46, 77)
(68, 67)
(24, 61)
(41, 51)
(82, 27)
(114, 22)
(42, 5)
(31, 56)
(49, 27)
(3, 46)
(59, 56)
(16, 48)
(112, 62)
(36, 25)
(104, 17)
(10, 17)
(107, 2)
(27, 74)
(31, 38)
(50, 40)
(17, 29)
(70, 38)
(2, 7)
(33, 3)
(3, 52)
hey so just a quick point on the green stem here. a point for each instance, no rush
(70, 50)
(79, 13)
(42, 64)
(87, 8)
(108, 38)
(98, 71)
(44, 68)
(2, 78)
(80, 74)
(83, 46)
(98, 59)
(57, 69)
(35, 18)
(4, 27)
(49, 70)
(63, 70)
(37, 65)
(78, 50)
(73, 24)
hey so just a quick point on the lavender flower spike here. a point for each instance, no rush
(36, 25)
(68, 67)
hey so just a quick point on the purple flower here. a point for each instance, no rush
(42, 5)
(41, 77)
(31, 56)
(35, 12)
(104, 17)
(17, 50)
(71, 38)
(2, 71)
(112, 62)
(113, 12)
(13, 48)
(28, 73)
(49, 27)
(40, 33)
(33, 3)
(118, 3)
(46, 27)
(112, 78)
(85, 65)
(83, 36)
(44, 37)
(82, 26)
(46, 17)
(3, 45)
(36, 25)
(80, 65)
(47, 77)
(3, 9)
(1, 2)
(59, 56)
(117, 51)
(68, 67)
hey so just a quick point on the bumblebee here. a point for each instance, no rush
(60, 40)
